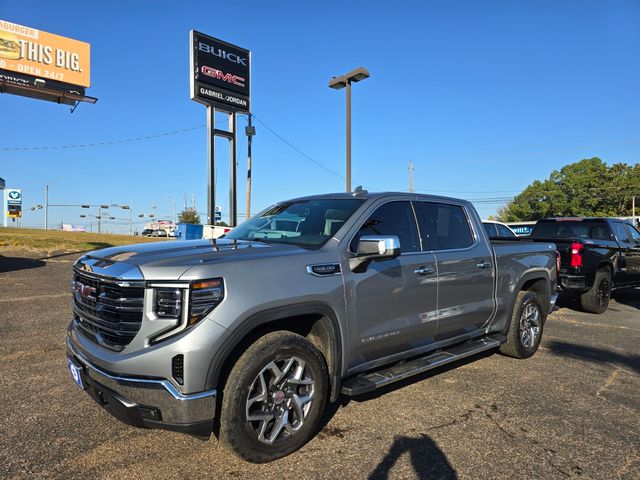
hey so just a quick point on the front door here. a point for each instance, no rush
(391, 305)
(632, 255)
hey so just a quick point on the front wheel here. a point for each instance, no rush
(525, 328)
(274, 397)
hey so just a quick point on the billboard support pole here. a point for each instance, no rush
(211, 165)
(5, 208)
(233, 211)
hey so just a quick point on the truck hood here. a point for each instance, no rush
(170, 260)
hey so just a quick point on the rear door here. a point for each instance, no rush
(465, 268)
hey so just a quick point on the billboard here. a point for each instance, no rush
(28, 51)
(220, 73)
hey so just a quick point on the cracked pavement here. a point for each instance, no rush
(570, 411)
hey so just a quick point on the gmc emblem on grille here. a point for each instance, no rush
(85, 291)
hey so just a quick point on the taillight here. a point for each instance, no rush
(557, 261)
(576, 254)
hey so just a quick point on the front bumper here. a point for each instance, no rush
(147, 402)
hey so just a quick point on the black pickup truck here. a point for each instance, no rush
(596, 255)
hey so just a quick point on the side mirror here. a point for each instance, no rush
(375, 247)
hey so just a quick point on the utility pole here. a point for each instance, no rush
(411, 176)
(46, 207)
(250, 131)
(99, 219)
(633, 210)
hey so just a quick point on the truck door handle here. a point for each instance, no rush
(423, 271)
(483, 265)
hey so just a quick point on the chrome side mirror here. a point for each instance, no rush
(375, 247)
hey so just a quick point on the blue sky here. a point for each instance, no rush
(483, 97)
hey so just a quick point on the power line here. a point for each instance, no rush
(107, 142)
(297, 149)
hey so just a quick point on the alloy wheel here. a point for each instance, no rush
(529, 325)
(280, 399)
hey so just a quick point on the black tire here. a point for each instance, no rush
(241, 435)
(597, 299)
(518, 344)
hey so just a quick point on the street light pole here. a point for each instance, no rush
(344, 81)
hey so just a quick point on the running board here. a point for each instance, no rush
(374, 380)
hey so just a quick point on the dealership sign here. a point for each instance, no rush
(44, 55)
(220, 73)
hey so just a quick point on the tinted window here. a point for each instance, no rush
(504, 231)
(490, 228)
(635, 235)
(394, 218)
(303, 222)
(621, 232)
(444, 226)
(572, 229)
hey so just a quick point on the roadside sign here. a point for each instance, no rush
(14, 202)
(44, 55)
(220, 73)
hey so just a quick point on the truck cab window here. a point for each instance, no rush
(635, 235)
(393, 218)
(621, 232)
(444, 226)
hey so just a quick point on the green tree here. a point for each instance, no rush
(189, 215)
(585, 188)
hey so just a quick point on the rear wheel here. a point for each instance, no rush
(525, 328)
(273, 398)
(597, 299)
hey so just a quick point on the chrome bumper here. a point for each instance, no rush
(190, 413)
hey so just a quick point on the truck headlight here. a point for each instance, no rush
(204, 296)
(186, 303)
(167, 302)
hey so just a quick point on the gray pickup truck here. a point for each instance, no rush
(250, 335)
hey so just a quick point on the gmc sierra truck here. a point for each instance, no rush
(250, 335)
(597, 255)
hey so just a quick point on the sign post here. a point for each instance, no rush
(220, 80)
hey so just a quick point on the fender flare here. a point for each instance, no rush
(274, 314)
(539, 274)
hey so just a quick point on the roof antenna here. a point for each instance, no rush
(359, 191)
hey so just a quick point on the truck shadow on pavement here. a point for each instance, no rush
(10, 264)
(594, 354)
(627, 296)
(427, 459)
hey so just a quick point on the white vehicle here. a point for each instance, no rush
(497, 229)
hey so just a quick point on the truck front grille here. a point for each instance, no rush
(107, 312)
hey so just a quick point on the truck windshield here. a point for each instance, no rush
(307, 223)
(593, 229)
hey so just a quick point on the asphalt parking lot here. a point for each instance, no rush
(573, 410)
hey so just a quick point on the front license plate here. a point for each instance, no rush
(75, 373)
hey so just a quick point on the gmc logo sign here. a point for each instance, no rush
(84, 291)
(225, 77)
